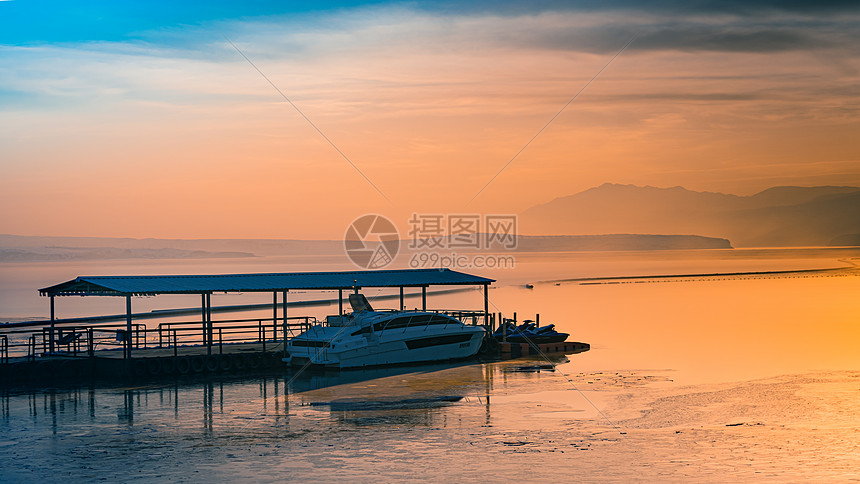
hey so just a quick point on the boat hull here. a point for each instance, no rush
(398, 348)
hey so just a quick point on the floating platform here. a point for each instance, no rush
(516, 350)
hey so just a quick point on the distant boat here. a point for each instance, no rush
(370, 338)
(530, 286)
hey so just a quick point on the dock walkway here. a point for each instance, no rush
(61, 367)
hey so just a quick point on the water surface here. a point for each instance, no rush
(699, 378)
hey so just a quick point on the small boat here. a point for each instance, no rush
(370, 338)
(529, 332)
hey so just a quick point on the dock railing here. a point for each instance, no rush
(88, 340)
(296, 325)
(477, 318)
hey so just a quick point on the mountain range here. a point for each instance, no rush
(608, 217)
(778, 216)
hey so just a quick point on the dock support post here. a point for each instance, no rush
(283, 315)
(51, 343)
(274, 315)
(423, 298)
(504, 328)
(402, 307)
(340, 302)
(90, 347)
(209, 323)
(128, 326)
(487, 307)
(203, 315)
(285, 324)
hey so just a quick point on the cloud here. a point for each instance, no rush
(387, 55)
(660, 7)
(597, 31)
(730, 39)
(378, 61)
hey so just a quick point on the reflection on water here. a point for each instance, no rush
(411, 396)
(493, 421)
(77, 430)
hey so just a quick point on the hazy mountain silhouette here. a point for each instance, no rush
(47, 248)
(563, 243)
(847, 239)
(779, 216)
(16, 248)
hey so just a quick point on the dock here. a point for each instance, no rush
(78, 350)
(81, 350)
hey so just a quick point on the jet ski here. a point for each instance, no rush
(528, 332)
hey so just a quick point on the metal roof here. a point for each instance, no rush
(202, 284)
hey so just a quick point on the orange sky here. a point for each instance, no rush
(175, 135)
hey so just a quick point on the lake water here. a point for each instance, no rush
(728, 378)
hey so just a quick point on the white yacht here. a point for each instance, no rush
(368, 338)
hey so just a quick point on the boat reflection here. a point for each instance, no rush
(413, 395)
(397, 396)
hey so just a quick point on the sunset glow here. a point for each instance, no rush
(154, 126)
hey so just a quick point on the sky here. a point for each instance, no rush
(145, 119)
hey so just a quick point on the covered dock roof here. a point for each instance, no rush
(207, 284)
(273, 282)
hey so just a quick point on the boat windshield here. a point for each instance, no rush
(407, 321)
(359, 303)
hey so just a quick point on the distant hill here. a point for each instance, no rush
(43, 248)
(567, 243)
(15, 248)
(778, 196)
(56, 254)
(779, 216)
(562, 243)
(846, 240)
